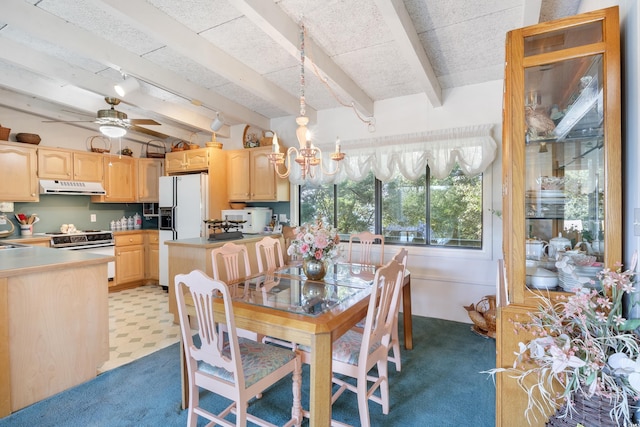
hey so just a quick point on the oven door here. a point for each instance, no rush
(109, 250)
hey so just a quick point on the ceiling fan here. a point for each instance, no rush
(115, 123)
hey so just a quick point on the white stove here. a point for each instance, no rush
(90, 241)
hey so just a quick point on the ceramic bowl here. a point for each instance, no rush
(544, 279)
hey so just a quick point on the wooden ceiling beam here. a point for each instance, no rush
(399, 22)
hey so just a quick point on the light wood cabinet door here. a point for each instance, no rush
(120, 180)
(149, 173)
(130, 258)
(238, 179)
(18, 166)
(252, 177)
(88, 167)
(187, 161)
(561, 153)
(55, 164)
(152, 267)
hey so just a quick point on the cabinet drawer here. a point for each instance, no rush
(129, 239)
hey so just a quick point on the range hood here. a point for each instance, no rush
(81, 188)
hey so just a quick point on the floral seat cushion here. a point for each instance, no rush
(258, 360)
(347, 348)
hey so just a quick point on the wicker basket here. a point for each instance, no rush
(267, 138)
(4, 133)
(99, 144)
(592, 412)
(483, 315)
(155, 154)
(178, 146)
(28, 138)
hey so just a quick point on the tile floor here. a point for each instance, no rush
(139, 324)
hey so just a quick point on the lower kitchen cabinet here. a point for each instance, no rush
(130, 260)
(152, 256)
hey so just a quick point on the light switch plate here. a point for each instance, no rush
(6, 206)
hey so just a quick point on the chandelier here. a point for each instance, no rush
(308, 156)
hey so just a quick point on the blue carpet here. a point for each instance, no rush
(440, 385)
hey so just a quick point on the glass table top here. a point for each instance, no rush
(288, 288)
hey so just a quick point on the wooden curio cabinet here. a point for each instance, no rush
(561, 165)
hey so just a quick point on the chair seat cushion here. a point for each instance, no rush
(346, 349)
(258, 361)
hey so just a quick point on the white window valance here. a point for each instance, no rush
(473, 148)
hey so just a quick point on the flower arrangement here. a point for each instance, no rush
(315, 241)
(582, 344)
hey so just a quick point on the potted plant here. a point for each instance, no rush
(584, 355)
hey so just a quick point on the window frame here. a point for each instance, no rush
(490, 222)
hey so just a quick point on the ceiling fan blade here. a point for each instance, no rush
(68, 121)
(148, 132)
(143, 122)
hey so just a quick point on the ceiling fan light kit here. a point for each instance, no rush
(113, 131)
(128, 85)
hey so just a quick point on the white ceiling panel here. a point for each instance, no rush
(241, 57)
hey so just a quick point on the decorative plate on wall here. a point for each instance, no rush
(251, 137)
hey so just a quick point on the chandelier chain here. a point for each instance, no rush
(371, 121)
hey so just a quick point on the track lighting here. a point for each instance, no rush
(128, 85)
(217, 123)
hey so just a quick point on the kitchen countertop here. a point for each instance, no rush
(206, 243)
(36, 258)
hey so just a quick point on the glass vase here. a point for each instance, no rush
(314, 269)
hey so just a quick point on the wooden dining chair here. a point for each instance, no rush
(356, 353)
(269, 254)
(240, 370)
(364, 242)
(401, 257)
(231, 256)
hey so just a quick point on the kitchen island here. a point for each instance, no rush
(54, 322)
(186, 255)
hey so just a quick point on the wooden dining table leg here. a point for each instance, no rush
(320, 381)
(406, 314)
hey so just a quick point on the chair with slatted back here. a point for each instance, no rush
(356, 353)
(231, 256)
(401, 257)
(239, 370)
(269, 254)
(269, 257)
(364, 241)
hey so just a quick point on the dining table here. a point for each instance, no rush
(285, 305)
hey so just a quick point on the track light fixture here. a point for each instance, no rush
(128, 85)
(217, 123)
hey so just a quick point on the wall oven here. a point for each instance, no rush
(90, 241)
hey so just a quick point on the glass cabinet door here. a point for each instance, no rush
(561, 141)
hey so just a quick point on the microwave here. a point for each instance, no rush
(256, 218)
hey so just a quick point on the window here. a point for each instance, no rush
(427, 211)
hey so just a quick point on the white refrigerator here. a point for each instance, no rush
(183, 207)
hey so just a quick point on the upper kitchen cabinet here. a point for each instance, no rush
(57, 163)
(18, 166)
(188, 161)
(120, 180)
(149, 173)
(251, 177)
(561, 164)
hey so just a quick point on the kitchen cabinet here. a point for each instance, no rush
(120, 180)
(18, 166)
(130, 259)
(152, 256)
(186, 161)
(57, 163)
(149, 173)
(252, 177)
(561, 163)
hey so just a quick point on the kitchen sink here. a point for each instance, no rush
(11, 246)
